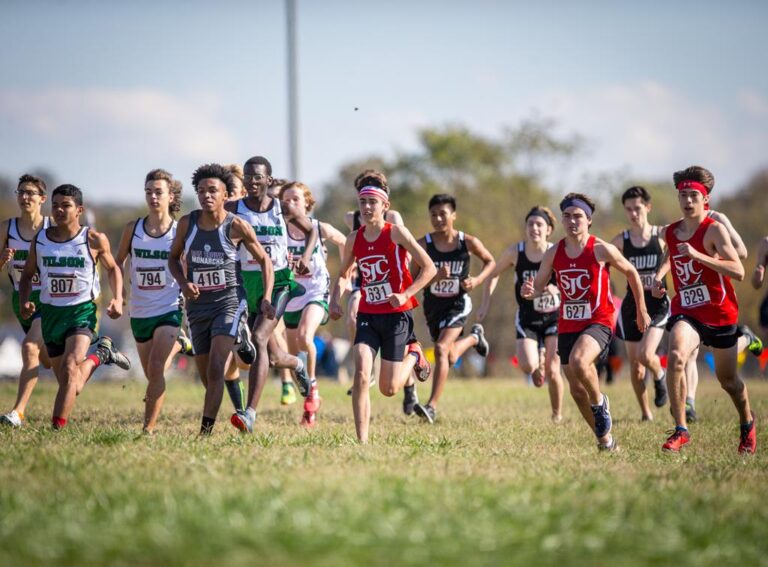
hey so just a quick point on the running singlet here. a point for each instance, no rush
(701, 292)
(211, 258)
(21, 251)
(67, 269)
(271, 233)
(584, 285)
(153, 290)
(540, 309)
(457, 260)
(383, 271)
(646, 260)
(317, 282)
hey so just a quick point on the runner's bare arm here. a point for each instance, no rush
(124, 248)
(716, 241)
(345, 271)
(243, 233)
(536, 286)
(7, 253)
(331, 234)
(349, 219)
(403, 237)
(658, 289)
(394, 217)
(27, 307)
(758, 276)
(99, 243)
(189, 289)
(618, 242)
(416, 269)
(507, 259)
(738, 243)
(608, 253)
(476, 247)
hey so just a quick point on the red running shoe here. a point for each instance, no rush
(678, 438)
(422, 366)
(748, 444)
(311, 406)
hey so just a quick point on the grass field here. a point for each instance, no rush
(492, 483)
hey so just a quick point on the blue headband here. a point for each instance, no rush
(576, 202)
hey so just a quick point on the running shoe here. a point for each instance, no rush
(748, 442)
(288, 395)
(108, 354)
(677, 439)
(242, 421)
(13, 419)
(422, 366)
(302, 378)
(247, 350)
(755, 345)
(602, 415)
(660, 396)
(557, 419)
(610, 446)
(311, 406)
(184, 343)
(410, 399)
(690, 413)
(427, 412)
(482, 346)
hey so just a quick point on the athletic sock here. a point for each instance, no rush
(206, 425)
(681, 428)
(661, 376)
(58, 422)
(689, 401)
(95, 359)
(236, 393)
(251, 413)
(747, 427)
(299, 365)
(600, 403)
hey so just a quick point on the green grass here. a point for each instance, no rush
(492, 483)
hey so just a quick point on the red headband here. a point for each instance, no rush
(696, 186)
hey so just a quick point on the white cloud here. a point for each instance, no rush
(146, 119)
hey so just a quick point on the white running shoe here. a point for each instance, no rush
(13, 419)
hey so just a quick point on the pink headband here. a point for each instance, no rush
(372, 191)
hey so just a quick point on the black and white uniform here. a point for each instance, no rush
(212, 264)
(646, 260)
(446, 303)
(535, 318)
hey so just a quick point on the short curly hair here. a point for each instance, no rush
(214, 171)
(174, 187)
(372, 177)
(33, 180)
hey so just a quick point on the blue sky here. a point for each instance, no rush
(101, 92)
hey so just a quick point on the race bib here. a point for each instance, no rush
(268, 250)
(647, 279)
(577, 311)
(210, 280)
(150, 278)
(63, 285)
(546, 303)
(694, 296)
(377, 292)
(16, 272)
(445, 288)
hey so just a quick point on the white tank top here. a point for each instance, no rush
(154, 291)
(67, 270)
(271, 233)
(317, 282)
(21, 247)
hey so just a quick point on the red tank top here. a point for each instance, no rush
(585, 289)
(383, 269)
(701, 293)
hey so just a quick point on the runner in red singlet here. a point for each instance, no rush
(705, 309)
(585, 327)
(384, 320)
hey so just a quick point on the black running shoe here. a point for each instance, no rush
(482, 346)
(690, 413)
(427, 413)
(660, 391)
(602, 414)
(247, 350)
(410, 399)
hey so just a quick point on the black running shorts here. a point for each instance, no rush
(447, 314)
(764, 313)
(722, 336)
(566, 341)
(385, 332)
(626, 325)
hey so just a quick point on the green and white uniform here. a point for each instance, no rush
(155, 295)
(16, 266)
(272, 233)
(69, 288)
(317, 283)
